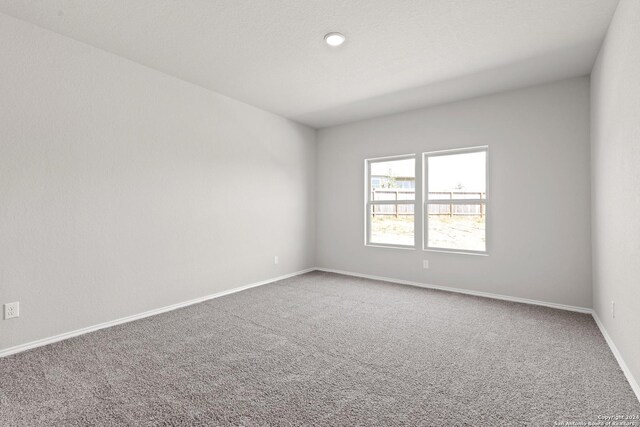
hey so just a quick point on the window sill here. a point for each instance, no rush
(380, 245)
(445, 251)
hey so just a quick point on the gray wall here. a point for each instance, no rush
(123, 189)
(539, 222)
(615, 144)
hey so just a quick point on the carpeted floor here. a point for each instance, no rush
(325, 349)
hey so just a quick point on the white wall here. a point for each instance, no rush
(615, 145)
(123, 189)
(539, 222)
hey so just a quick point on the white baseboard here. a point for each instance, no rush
(627, 373)
(66, 335)
(38, 343)
(462, 291)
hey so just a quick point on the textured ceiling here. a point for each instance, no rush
(399, 54)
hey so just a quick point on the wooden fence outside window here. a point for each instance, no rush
(450, 209)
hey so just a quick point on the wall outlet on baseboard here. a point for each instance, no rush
(11, 310)
(275, 259)
(425, 263)
(613, 309)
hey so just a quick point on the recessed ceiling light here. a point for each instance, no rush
(334, 39)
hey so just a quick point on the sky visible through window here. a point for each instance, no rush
(458, 172)
(394, 168)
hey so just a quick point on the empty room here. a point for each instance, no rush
(319, 213)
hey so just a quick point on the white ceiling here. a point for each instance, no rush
(399, 54)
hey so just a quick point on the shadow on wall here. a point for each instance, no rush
(571, 61)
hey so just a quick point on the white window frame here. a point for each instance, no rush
(426, 202)
(368, 203)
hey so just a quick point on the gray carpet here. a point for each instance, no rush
(325, 349)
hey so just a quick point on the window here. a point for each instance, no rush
(455, 202)
(390, 201)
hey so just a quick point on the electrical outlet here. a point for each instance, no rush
(11, 310)
(425, 263)
(275, 259)
(613, 309)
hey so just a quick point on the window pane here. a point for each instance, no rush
(393, 178)
(457, 176)
(456, 227)
(392, 224)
